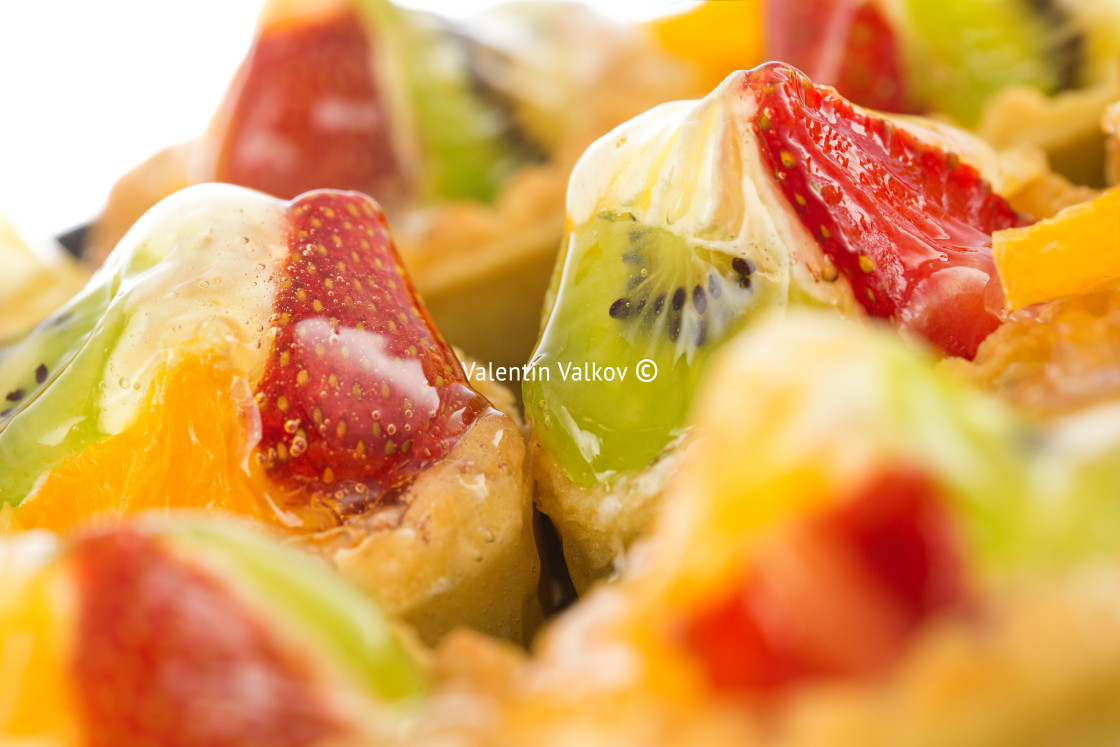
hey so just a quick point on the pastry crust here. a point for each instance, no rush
(1048, 194)
(1053, 358)
(1067, 125)
(599, 523)
(458, 547)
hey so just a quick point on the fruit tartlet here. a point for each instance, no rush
(857, 550)
(192, 633)
(465, 131)
(34, 283)
(689, 220)
(242, 354)
(1014, 72)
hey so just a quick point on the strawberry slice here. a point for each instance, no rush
(306, 111)
(907, 223)
(840, 596)
(847, 44)
(360, 392)
(165, 654)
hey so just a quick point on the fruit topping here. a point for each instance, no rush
(838, 595)
(166, 654)
(691, 219)
(721, 37)
(192, 632)
(360, 391)
(847, 44)
(240, 353)
(308, 112)
(365, 96)
(963, 52)
(908, 224)
(1075, 252)
(631, 293)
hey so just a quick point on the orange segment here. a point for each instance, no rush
(721, 36)
(192, 447)
(1074, 253)
(35, 702)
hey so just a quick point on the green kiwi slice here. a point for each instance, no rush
(62, 391)
(467, 134)
(65, 353)
(632, 302)
(962, 53)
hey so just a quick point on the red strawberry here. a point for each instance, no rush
(847, 44)
(840, 596)
(305, 112)
(907, 223)
(360, 389)
(165, 654)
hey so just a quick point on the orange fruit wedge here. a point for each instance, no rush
(720, 36)
(190, 449)
(1074, 253)
(35, 705)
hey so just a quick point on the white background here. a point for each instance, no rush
(90, 88)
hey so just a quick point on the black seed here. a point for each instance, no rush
(658, 304)
(6, 413)
(713, 286)
(41, 373)
(678, 299)
(701, 334)
(699, 299)
(620, 309)
(641, 305)
(674, 327)
(743, 267)
(15, 395)
(745, 282)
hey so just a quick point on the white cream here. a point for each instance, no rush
(212, 254)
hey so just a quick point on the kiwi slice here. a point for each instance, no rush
(631, 302)
(963, 52)
(467, 137)
(47, 376)
(66, 353)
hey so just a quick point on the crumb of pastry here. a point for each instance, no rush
(1052, 358)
